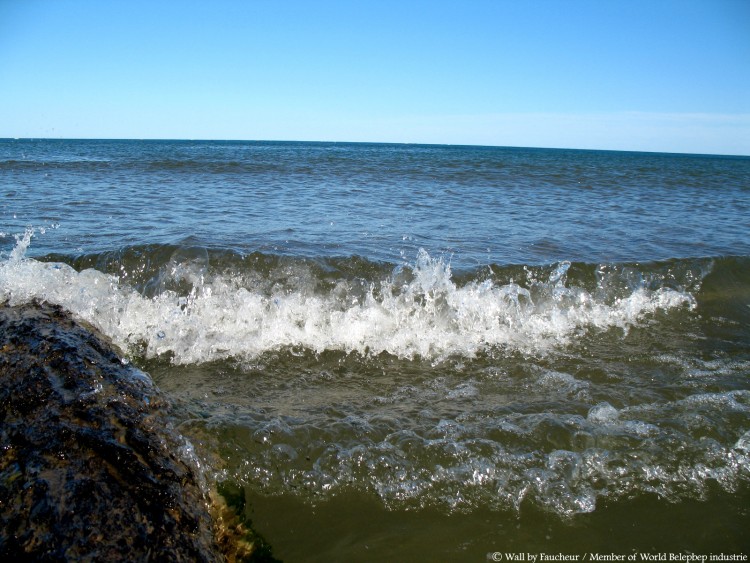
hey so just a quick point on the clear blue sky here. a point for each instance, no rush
(657, 75)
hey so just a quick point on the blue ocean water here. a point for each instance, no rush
(481, 205)
(507, 349)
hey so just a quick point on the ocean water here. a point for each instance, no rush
(419, 353)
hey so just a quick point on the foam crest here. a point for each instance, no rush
(418, 311)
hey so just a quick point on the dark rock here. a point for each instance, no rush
(89, 466)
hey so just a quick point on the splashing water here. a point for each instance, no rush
(415, 312)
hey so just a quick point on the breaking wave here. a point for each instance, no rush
(195, 305)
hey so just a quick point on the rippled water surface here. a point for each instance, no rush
(479, 204)
(419, 352)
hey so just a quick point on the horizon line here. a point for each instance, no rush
(402, 143)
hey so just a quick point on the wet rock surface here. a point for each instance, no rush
(89, 468)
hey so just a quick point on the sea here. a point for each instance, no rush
(420, 352)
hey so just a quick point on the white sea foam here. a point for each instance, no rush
(423, 315)
(458, 467)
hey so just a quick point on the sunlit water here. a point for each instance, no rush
(418, 352)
